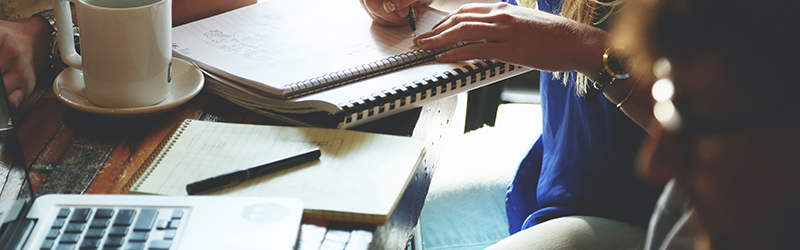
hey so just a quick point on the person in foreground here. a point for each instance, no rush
(26, 38)
(728, 135)
(577, 187)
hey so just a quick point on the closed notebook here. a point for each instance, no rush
(360, 176)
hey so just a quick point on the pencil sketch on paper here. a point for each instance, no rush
(183, 51)
(247, 45)
(332, 143)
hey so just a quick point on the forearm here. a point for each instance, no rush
(638, 100)
(184, 11)
(634, 92)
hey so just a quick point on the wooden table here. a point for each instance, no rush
(73, 152)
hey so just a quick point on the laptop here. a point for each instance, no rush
(63, 221)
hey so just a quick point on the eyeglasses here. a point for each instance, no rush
(666, 113)
(663, 91)
(686, 128)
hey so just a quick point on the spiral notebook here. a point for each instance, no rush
(360, 176)
(282, 57)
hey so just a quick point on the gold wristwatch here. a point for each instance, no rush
(617, 64)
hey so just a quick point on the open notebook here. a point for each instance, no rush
(289, 59)
(360, 176)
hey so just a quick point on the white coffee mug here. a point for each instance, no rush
(126, 49)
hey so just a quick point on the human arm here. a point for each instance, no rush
(24, 54)
(634, 97)
(538, 40)
(517, 35)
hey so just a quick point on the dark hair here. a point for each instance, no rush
(755, 40)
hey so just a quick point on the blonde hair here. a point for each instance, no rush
(582, 11)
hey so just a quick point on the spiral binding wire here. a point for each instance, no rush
(155, 158)
(409, 93)
(354, 74)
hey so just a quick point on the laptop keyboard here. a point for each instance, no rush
(114, 228)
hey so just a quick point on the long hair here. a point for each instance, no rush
(585, 12)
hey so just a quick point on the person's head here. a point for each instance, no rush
(734, 144)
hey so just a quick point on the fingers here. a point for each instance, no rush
(17, 73)
(376, 10)
(15, 99)
(400, 7)
(475, 8)
(19, 84)
(465, 28)
(462, 32)
(470, 23)
(453, 20)
(469, 52)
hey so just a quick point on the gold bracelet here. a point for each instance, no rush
(629, 92)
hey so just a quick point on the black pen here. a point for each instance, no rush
(242, 175)
(412, 21)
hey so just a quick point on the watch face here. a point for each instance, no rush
(618, 62)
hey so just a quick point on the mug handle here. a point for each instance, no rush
(66, 42)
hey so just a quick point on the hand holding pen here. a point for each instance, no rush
(394, 12)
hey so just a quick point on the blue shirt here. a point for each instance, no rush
(583, 162)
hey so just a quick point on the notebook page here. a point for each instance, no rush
(279, 42)
(357, 174)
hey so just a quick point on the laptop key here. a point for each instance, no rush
(134, 246)
(162, 224)
(104, 213)
(100, 223)
(138, 236)
(52, 234)
(95, 233)
(118, 231)
(63, 213)
(58, 223)
(173, 224)
(69, 238)
(177, 214)
(170, 234)
(160, 245)
(114, 241)
(81, 215)
(74, 227)
(90, 244)
(124, 217)
(47, 244)
(146, 219)
(66, 246)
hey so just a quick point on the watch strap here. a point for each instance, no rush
(50, 16)
(55, 54)
(596, 87)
